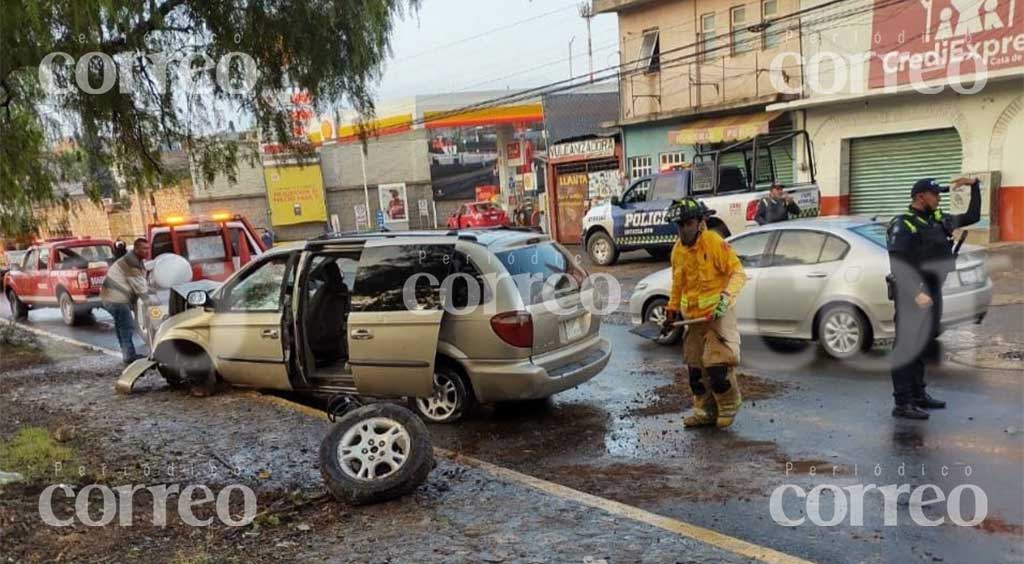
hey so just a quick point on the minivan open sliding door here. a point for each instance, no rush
(396, 315)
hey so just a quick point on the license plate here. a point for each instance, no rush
(969, 277)
(97, 280)
(573, 328)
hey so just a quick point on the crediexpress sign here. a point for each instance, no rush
(934, 39)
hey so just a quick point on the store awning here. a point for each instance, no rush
(721, 129)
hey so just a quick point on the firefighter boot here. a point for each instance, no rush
(727, 394)
(704, 412)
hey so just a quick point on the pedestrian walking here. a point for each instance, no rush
(776, 206)
(125, 283)
(920, 244)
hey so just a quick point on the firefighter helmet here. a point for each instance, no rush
(682, 210)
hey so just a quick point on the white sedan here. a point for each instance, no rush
(823, 279)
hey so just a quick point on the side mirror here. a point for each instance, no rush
(616, 201)
(198, 298)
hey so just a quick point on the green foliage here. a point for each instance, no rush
(33, 453)
(332, 49)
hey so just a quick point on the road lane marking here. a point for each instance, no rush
(63, 339)
(682, 528)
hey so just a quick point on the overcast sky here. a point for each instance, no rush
(456, 45)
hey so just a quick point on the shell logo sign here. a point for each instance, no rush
(933, 39)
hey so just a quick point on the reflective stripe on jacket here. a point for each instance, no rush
(702, 272)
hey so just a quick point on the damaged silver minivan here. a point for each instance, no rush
(447, 320)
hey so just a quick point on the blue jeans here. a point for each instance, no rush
(124, 326)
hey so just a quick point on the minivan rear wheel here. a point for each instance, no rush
(451, 400)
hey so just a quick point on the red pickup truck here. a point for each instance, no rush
(65, 273)
(215, 245)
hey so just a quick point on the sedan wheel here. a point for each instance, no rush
(843, 332)
(656, 313)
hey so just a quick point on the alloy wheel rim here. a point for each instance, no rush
(842, 333)
(601, 250)
(444, 401)
(374, 449)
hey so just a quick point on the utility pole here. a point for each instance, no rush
(571, 39)
(587, 13)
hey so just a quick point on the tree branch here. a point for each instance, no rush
(145, 26)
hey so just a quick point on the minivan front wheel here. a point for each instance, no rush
(450, 401)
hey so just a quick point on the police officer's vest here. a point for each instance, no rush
(933, 243)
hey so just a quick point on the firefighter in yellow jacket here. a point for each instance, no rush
(706, 279)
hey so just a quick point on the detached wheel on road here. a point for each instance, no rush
(18, 308)
(602, 249)
(68, 311)
(843, 331)
(375, 453)
(451, 400)
(656, 312)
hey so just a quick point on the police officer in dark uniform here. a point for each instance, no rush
(920, 243)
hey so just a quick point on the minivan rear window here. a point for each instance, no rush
(535, 266)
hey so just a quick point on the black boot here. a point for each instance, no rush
(909, 411)
(925, 401)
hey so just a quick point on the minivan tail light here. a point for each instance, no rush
(751, 210)
(514, 327)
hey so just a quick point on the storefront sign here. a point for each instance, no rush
(935, 39)
(599, 148)
(513, 154)
(295, 194)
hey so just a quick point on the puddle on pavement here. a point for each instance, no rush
(676, 397)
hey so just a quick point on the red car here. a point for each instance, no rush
(477, 214)
(65, 273)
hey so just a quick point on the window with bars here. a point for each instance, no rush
(674, 158)
(741, 38)
(706, 37)
(640, 167)
(770, 37)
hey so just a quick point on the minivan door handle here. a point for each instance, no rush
(269, 333)
(362, 334)
(816, 274)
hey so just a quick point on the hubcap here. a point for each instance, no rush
(842, 333)
(374, 449)
(601, 250)
(443, 403)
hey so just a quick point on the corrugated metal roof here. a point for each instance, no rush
(579, 114)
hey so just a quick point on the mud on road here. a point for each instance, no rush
(159, 436)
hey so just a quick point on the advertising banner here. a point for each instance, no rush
(935, 39)
(393, 202)
(295, 194)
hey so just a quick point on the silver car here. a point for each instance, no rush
(823, 279)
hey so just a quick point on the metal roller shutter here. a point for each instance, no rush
(884, 168)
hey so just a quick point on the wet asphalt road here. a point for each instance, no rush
(620, 436)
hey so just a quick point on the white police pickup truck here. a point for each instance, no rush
(723, 179)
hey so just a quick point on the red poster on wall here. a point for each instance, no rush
(924, 40)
